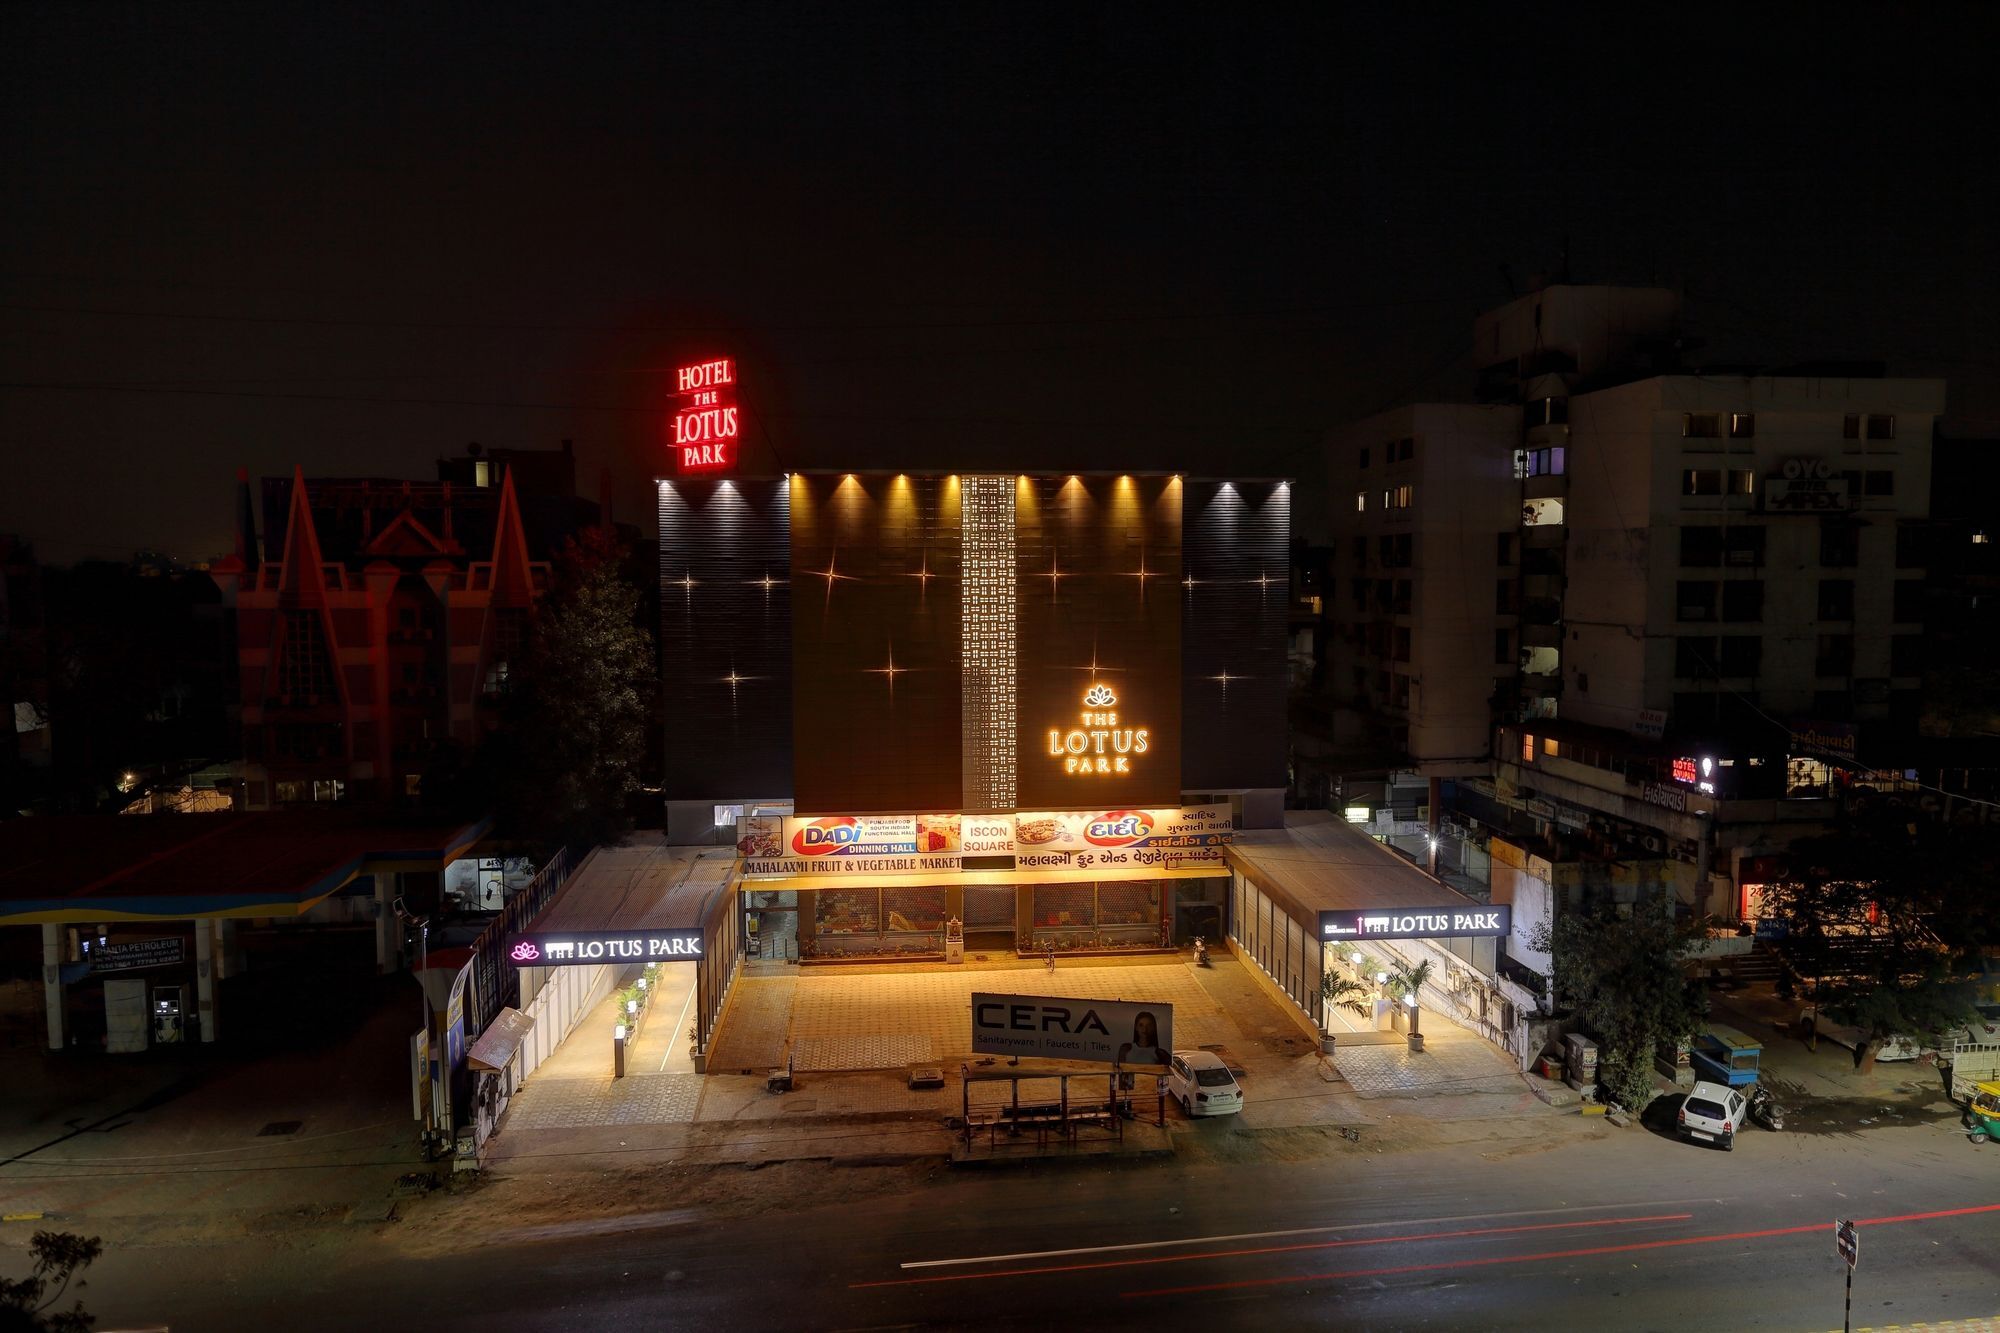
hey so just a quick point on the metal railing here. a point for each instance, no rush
(497, 984)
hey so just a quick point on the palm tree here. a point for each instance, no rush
(1340, 992)
(1409, 980)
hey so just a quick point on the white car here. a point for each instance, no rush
(1712, 1114)
(1202, 1084)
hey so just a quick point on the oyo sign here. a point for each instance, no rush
(707, 424)
(1474, 921)
(579, 948)
(1098, 745)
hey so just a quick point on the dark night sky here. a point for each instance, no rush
(358, 237)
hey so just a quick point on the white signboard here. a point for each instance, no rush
(1192, 835)
(1103, 840)
(1047, 1028)
(857, 844)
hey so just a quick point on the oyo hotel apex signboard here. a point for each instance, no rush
(707, 422)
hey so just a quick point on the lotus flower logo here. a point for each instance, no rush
(526, 952)
(1100, 696)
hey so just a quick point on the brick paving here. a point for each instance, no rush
(639, 1099)
(875, 1050)
(1449, 1063)
(756, 1025)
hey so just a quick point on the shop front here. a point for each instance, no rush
(1072, 882)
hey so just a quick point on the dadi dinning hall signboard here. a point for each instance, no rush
(1102, 840)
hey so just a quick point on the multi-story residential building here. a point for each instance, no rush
(1717, 589)
(376, 629)
(1419, 593)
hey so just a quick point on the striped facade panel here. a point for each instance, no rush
(1236, 539)
(1098, 605)
(725, 638)
(876, 643)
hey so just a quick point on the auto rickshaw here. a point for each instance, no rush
(1982, 1114)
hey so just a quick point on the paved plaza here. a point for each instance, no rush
(1452, 1061)
(640, 1099)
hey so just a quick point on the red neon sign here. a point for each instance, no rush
(1684, 770)
(708, 424)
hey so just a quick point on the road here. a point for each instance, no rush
(1635, 1230)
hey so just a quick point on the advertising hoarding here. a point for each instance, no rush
(1472, 921)
(1105, 840)
(1049, 1028)
(1100, 839)
(580, 948)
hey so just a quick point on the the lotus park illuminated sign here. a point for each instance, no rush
(580, 948)
(1098, 744)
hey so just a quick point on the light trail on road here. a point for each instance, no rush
(1632, 1247)
(1302, 1231)
(1266, 1249)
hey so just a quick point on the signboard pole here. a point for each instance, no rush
(1847, 1243)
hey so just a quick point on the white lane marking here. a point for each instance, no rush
(1293, 1231)
(668, 1054)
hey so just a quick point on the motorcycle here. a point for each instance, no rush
(1200, 952)
(1764, 1109)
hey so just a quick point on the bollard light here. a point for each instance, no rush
(619, 1032)
(642, 983)
(1381, 978)
(1410, 1001)
(631, 1006)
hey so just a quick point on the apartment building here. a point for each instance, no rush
(1717, 593)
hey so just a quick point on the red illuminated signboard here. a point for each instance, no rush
(1684, 771)
(707, 423)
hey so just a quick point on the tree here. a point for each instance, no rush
(25, 1303)
(1623, 974)
(579, 710)
(1408, 980)
(1883, 921)
(1339, 992)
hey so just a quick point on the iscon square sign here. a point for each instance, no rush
(577, 948)
(1473, 921)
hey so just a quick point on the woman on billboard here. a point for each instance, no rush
(1144, 1048)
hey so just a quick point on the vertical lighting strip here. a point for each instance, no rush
(986, 527)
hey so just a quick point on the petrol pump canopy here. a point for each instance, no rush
(79, 869)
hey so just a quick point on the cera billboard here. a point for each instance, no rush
(1050, 1028)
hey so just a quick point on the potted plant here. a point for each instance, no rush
(1407, 985)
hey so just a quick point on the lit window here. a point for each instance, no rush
(1742, 481)
(1361, 502)
(1742, 425)
(1552, 747)
(1527, 749)
(1701, 425)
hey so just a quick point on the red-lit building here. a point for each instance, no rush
(376, 627)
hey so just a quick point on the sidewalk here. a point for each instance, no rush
(214, 1141)
(1292, 1092)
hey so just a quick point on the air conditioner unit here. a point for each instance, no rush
(1653, 842)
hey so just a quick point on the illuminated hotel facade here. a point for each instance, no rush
(1037, 704)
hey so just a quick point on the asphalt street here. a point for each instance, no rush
(1636, 1230)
